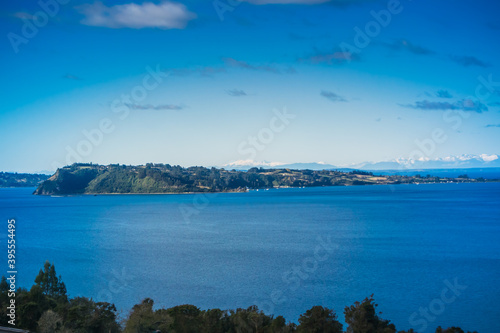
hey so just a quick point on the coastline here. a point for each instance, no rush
(259, 189)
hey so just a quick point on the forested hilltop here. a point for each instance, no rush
(11, 179)
(46, 308)
(164, 178)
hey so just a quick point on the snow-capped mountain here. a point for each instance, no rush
(247, 164)
(449, 162)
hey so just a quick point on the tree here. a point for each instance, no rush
(362, 318)
(278, 324)
(4, 286)
(451, 330)
(186, 318)
(29, 314)
(49, 322)
(4, 301)
(319, 319)
(49, 282)
(85, 315)
(32, 304)
(141, 318)
(214, 320)
(249, 320)
(45, 308)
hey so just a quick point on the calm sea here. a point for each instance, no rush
(433, 248)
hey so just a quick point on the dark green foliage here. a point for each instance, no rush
(190, 319)
(49, 283)
(45, 308)
(32, 304)
(249, 320)
(85, 315)
(319, 319)
(362, 318)
(452, 330)
(186, 318)
(360, 172)
(279, 325)
(142, 318)
(9, 179)
(160, 178)
(215, 320)
(29, 314)
(70, 180)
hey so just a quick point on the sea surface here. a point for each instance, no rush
(433, 248)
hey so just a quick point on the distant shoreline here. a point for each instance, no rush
(114, 179)
(255, 190)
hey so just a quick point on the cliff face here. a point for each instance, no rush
(67, 181)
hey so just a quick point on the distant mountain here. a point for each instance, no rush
(378, 166)
(309, 166)
(247, 164)
(450, 162)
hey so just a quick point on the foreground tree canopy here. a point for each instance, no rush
(46, 308)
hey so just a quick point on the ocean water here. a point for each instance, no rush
(434, 246)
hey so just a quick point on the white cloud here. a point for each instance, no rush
(166, 15)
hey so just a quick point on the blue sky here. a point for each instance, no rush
(360, 80)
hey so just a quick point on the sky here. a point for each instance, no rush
(213, 82)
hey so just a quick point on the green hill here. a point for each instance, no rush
(10, 179)
(164, 178)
